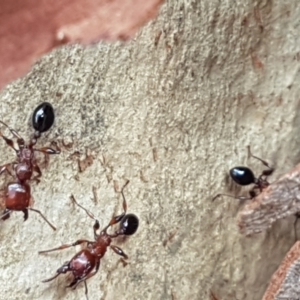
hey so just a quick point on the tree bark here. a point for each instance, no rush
(172, 111)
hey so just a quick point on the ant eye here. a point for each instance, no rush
(242, 175)
(129, 224)
(43, 117)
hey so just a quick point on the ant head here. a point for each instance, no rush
(242, 175)
(129, 224)
(43, 117)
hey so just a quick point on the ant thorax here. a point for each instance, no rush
(103, 239)
(23, 171)
(99, 247)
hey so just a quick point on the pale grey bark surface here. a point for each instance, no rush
(172, 111)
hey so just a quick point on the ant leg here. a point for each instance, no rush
(25, 211)
(265, 172)
(49, 279)
(118, 218)
(62, 270)
(297, 215)
(86, 290)
(5, 215)
(47, 150)
(36, 169)
(45, 219)
(78, 242)
(96, 226)
(119, 251)
(213, 296)
(76, 281)
(91, 215)
(242, 198)
(9, 142)
(15, 134)
(252, 193)
(7, 168)
(124, 200)
(261, 160)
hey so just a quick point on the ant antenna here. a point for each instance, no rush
(118, 218)
(91, 215)
(261, 160)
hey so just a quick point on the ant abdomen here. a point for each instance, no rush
(43, 117)
(17, 196)
(242, 175)
(129, 224)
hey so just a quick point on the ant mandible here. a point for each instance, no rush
(244, 176)
(17, 194)
(86, 262)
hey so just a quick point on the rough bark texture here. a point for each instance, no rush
(173, 110)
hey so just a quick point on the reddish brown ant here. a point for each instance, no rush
(86, 262)
(17, 194)
(244, 176)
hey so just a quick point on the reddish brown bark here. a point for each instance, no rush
(30, 28)
(285, 277)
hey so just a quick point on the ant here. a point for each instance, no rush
(86, 262)
(17, 194)
(244, 176)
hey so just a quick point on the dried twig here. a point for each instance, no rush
(277, 201)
